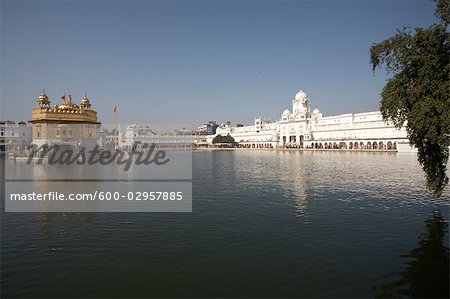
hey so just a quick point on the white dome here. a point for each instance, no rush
(300, 96)
(286, 112)
(316, 111)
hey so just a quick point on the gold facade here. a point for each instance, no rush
(67, 123)
(52, 114)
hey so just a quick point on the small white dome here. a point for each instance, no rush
(286, 112)
(316, 111)
(300, 96)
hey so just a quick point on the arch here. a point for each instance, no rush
(301, 139)
(375, 145)
(380, 145)
(361, 145)
(350, 145)
(389, 145)
(369, 145)
(342, 145)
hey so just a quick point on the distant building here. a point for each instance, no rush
(67, 124)
(261, 134)
(101, 137)
(207, 129)
(14, 137)
(109, 140)
(301, 128)
(143, 137)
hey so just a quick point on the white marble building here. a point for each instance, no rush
(14, 137)
(145, 136)
(301, 128)
(262, 134)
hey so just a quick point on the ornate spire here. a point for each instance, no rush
(85, 103)
(43, 99)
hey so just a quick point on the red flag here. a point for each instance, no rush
(64, 97)
(115, 108)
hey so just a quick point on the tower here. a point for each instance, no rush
(300, 105)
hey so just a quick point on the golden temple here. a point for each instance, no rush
(67, 112)
(68, 123)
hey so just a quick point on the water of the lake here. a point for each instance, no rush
(263, 224)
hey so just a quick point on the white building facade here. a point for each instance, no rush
(14, 137)
(303, 128)
(143, 137)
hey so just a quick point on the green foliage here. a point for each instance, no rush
(224, 139)
(418, 94)
(443, 11)
(217, 139)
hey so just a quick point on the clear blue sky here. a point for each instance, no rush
(194, 61)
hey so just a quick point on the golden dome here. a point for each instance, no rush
(69, 106)
(85, 101)
(43, 99)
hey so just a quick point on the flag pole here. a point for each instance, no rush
(115, 127)
(64, 98)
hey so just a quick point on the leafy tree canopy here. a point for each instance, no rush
(418, 94)
(224, 139)
(217, 139)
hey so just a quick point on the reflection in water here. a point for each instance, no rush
(427, 271)
(294, 180)
(284, 173)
